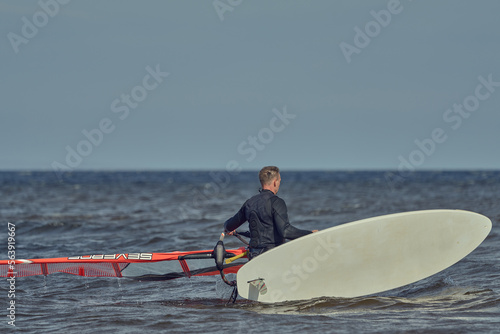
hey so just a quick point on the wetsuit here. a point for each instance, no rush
(267, 216)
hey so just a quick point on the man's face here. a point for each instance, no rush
(277, 183)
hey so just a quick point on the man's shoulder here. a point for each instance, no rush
(267, 194)
(278, 205)
(264, 195)
(277, 202)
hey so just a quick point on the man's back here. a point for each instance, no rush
(268, 221)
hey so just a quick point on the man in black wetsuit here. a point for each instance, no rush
(266, 214)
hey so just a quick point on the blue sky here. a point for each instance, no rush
(206, 84)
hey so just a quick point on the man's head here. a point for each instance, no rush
(270, 178)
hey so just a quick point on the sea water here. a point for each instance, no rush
(83, 213)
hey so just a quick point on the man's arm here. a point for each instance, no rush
(285, 229)
(235, 221)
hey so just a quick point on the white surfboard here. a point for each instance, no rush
(363, 257)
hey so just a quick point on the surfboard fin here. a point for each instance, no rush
(259, 284)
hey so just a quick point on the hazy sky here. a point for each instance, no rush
(93, 84)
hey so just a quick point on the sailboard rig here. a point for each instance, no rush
(138, 266)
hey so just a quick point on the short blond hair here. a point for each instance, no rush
(268, 174)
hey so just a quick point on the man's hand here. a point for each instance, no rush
(314, 231)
